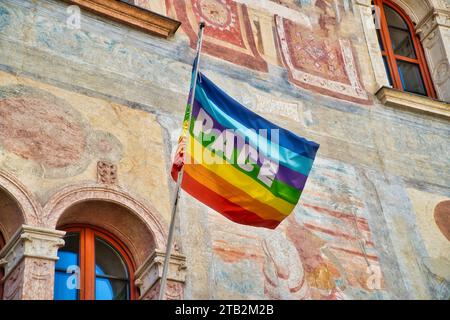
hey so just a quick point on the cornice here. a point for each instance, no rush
(33, 242)
(136, 17)
(414, 103)
(435, 18)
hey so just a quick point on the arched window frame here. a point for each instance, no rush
(392, 58)
(87, 258)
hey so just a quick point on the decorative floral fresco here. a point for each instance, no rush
(327, 66)
(228, 34)
(312, 50)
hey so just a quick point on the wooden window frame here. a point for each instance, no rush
(392, 58)
(87, 258)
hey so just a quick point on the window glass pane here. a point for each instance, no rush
(110, 289)
(394, 19)
(388, 71)
(108, 261)
(402, 43)
(69, 254)
(67, 269)
(66, 286)
(411, 77)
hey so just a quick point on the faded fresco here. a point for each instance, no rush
(102, 106)
(50, 135)
(318, 60)
(433, 221)
(229, 34)
(53, 137)
(306, 37)
(324, 250)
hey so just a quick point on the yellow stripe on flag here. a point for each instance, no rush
(237, 178)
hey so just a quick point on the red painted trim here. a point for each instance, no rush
(392, 57)
(252, 60)
(87, 258)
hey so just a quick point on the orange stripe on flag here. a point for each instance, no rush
(224, 206)
(230, 192)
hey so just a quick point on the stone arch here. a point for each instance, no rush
(18, 204)
(136, 224)
(416, 10)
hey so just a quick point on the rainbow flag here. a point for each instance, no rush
(238, 163)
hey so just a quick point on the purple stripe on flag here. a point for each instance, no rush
(284, 174)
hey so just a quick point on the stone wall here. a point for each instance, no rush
(372, 222)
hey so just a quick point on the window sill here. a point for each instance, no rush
(395, 98)
(139, 18)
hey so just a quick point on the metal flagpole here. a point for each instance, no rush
(162, 289)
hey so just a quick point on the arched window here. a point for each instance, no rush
(93, 265)
(402, 52)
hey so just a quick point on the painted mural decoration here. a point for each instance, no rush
(316, 56)
(433, 222)
(229, 34)
(306, 34)
(50, 137)
(325, 66)
(324, 250)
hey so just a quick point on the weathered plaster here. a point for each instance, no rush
(360, 231)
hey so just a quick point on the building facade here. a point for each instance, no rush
(92, 96)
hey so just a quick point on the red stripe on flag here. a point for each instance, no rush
(223, 206)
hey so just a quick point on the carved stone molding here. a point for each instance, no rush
(69, 196)
(415, 103)
(32, 242)
(31, 209)
(106, 172)
(365, 3)
(38, 279)
(441, 72)
(433, 30)
(174, 291)
(149, 274)
(369, 28)
(435, 18)
(131, 15)
(13, 283)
